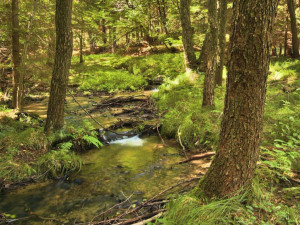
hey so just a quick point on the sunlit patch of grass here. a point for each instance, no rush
(285, 69)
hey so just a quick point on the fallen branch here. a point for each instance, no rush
(197, 157)
(111, 208)
(144, 204)
(142, 217)
(151, 219)
(180, 142)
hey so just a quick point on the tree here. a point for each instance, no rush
(212, 50)
(295, 41)
(18, 76)
(59, 82)
(241, 128)
(187, 35)
(222, 40)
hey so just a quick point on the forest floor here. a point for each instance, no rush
(274, 199)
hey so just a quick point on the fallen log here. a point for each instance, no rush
(197, 157)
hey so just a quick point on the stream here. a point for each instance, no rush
(136, 167)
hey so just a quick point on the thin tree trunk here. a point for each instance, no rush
(212, 53)
(187, 35)
(280, 50)
(92, 42)
(163, 16)
(18, 76)
(241, 128)
(295, 40)
(60, 75)
(286, 36)
(222, 40)
(203, 55)
(104, 35)
(112, 34)
(81, 47)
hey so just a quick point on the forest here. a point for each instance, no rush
(162, 112)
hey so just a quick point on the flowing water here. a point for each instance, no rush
(136, 167)
(132, 166)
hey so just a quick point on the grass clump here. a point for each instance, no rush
(255, 206)
(57, 163)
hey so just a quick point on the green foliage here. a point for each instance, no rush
(4, 108)
(12, 169)
(109, 72)
(186, 119)
(59, 162)
(83, 137)
(168, 65)
(255, 206)
(98, 74)
(21, 135)
(24, 149)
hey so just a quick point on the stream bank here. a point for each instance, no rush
(131, 165)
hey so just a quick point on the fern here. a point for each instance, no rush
(92, 140)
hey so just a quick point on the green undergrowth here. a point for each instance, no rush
(259, 205)
(274, 196)
(26, 152)
(185, 119)
(114, 72)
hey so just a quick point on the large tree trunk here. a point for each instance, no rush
(60, 75)
(222, 40)
(18, 76)
(295, 40)
(212, 53)
(286, 36)
(241, 128)
(187, 35)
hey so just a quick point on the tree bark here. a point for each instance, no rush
(286, 36)
(112, 34)
(203, 55)
(18, 76)
(163, 16)
(104, 37)
(295, 40)
(222, 40)
(81, 47)
(187, 35)
(241, 128)
(60, 75)
(212, 52)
